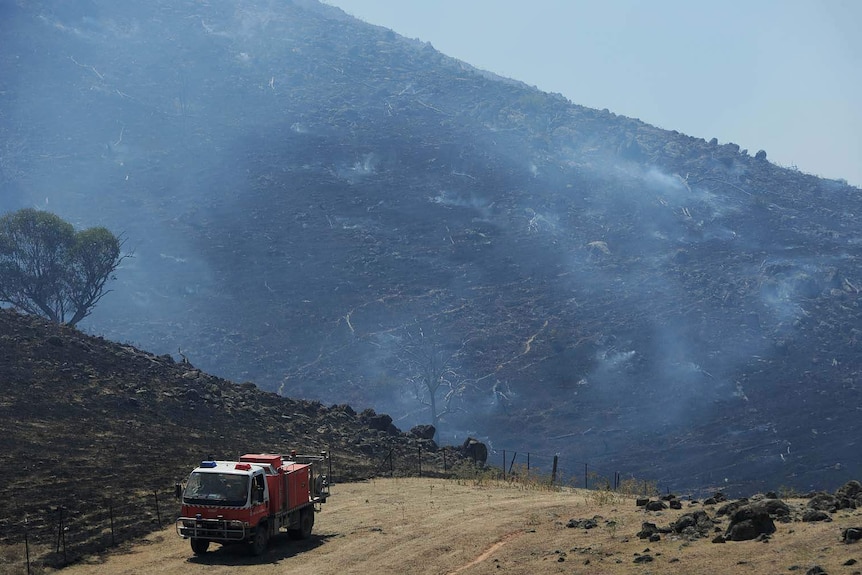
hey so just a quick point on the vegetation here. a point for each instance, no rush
(49, 269)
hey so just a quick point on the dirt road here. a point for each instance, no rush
(425, 526)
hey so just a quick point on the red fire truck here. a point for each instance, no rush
(250, 500)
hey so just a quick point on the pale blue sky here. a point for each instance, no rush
(780, 75)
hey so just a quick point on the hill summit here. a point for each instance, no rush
(308, 196)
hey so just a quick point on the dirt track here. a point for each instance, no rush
(429, 526)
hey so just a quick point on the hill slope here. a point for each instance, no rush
(305, 193)
(98, 427)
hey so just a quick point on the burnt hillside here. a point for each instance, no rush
(305, 193)
(87, 423)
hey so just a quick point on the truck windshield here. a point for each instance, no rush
(216, 489)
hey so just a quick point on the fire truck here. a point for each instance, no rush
(250, 500)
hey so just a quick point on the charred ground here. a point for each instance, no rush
(301, 187)
(91, 425)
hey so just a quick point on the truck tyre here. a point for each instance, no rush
(199, 546)
(306, 523)
(260, 540)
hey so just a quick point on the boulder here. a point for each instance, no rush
(851, 534)
(810, 515)
(475, 450)
(749, 522)
(697, 523)
(823, 501)
(378, 421)
(423, 431)
(849, 495)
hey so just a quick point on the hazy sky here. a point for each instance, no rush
(780, 75)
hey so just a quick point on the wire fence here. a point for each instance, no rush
(509, 464)
(65, 534)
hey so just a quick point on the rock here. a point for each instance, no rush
(655, 537)
(644, 559)
(719, 539)
(750, 521)
(851, 534)
(656, 506)
(697, 523)
(717, 498)
(816, 570)
(760, 155)
(675, 504)
(776, 507)
(475, 450)
(641, 501)
(380, 422)
(729, 508)
(810, 515)
(824, 502)
(647, 530)
(849, 495)
(423, 431)
(582, 523)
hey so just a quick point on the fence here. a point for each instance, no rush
(512, 464)
(65, 534)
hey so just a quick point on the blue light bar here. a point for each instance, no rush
(209, 464)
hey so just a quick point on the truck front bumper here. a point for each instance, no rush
(212, 529)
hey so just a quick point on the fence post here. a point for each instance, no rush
(420, 460)
(158, 511)
(528, 463)
(27, 544)
(445, 469)
(554, 469)
(512, 464)
(111, 515)
(61, 536)
(504, 465)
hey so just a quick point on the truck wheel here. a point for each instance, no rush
(199, 546)
(260, 540)
(306, 523)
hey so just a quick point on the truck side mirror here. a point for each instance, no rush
(178, 490)
(258, 495)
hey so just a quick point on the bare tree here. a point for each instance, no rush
(433, 372)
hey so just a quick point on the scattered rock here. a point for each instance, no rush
(749, 522)
(644, 559)
(823, 501)
(647, 530)
(656, 506)
(582, 523)
(851, 534)
(810, 515)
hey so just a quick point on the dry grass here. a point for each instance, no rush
(481, 524)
